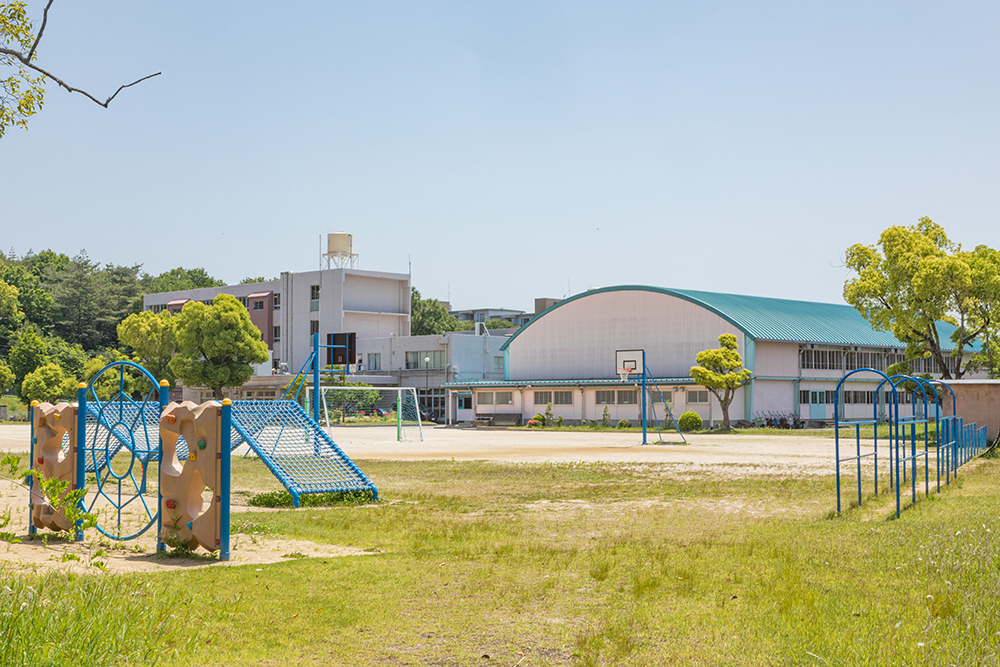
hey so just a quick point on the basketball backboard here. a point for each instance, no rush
(634, 361)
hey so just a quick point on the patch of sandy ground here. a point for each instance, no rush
(724, 455)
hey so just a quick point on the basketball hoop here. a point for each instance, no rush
(624, 373)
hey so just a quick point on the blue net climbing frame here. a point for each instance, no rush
(303, 457)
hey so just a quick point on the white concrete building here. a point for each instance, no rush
(289, 310)
(797, 350)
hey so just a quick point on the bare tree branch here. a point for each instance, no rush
(26, 61)
(38, 38)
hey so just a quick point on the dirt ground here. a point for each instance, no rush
(730, 456)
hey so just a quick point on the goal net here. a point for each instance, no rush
(385, 407)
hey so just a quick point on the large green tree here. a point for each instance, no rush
(721, 372)
(10, 312)
(151, 336)
(178, 279)
(76, 291)
(34, 301)
(217, 345)
(7, 378)
(47, 383)
(27, 354)
(428, 316)
(916, 277)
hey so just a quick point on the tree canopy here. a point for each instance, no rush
(428, 316)
(217, 345)
(152, 337)
(721, 372)
(915, 277)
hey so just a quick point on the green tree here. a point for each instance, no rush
(22, 93)
(47, 383)
(428, 316)
(27, 354)
(44, 263)
(217, 345)
(721, 372)
(178, 279)
(70, 357)
(11, 316)
(496, 323)
(32, 298)
(915, 278)
(120, 296)
(76, 292)
(7, 378)
(151, 336)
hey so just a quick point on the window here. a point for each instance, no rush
(627, 397)
(803, 397)
(498, 364)
(415, 360)
(822, 359)
(464, 402)
(277, 334)
(313, 327)
(605, 397)
(157, 309)
(697, 397)
(314, 298)
(277, 302)
(480, 317)
(562, 398)
(243, 300)
(258, 305)
(374, 361)
(505, 398)
(484, 398)
(543, 397)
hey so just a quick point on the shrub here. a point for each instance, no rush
(560, 421)
(624, 423)
(584, 423)
(532, 423)
(540, 418)
(690, 421)
(548, 414)
(606, 418)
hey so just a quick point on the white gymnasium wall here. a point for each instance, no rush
(578, 339)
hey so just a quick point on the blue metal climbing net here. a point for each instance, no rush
(303, 457)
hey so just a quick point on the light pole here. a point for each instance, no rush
(427, 384)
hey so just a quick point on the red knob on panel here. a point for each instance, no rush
(171, 504)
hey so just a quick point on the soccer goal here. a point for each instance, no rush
(388, 407)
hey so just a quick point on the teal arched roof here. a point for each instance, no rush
(767, 319)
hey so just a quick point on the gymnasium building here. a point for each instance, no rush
(797, 350)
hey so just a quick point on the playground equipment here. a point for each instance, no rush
(909, 442)
(400, 400)
(51, 426)
(633, 362)
(206, 428)
(115, 433)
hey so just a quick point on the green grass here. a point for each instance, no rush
(572, 564)
(600, 564)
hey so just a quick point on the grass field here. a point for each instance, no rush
(480, 563)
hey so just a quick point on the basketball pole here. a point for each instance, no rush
(644, 403)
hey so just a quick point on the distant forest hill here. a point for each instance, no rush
(75, 304)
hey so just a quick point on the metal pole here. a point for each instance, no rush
(644, 405)
(315, 405)
(399, 415)
(80, 449)
(225, 475)
(160, 545)
(31, 464)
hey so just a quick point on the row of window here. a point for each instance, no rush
(852, 397)
(258, 304)
(837, 360)
(495, 398)
(426, 359)
(602, 397)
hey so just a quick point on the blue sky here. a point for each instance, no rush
(511, 149)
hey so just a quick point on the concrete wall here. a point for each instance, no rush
(977, 401)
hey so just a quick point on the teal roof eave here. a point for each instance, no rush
(590, 382)
(773, 320)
